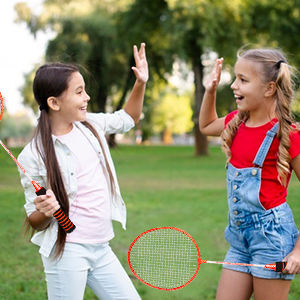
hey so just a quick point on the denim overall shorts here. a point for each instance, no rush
(256, 235)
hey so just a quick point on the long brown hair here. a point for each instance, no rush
(51, 80)
(273, 67)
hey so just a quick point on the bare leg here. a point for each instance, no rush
(271, 289)
(235, 285)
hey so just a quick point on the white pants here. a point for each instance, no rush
(94, 265)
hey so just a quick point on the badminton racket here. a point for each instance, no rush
(168, 258)
(60, 215)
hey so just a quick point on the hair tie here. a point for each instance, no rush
(279, 63)
(42, 107)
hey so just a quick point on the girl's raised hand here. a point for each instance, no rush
(141, 68)
(213, 80)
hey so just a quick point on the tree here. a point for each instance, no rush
(275, 23)
(101, 39)
(147, 21)
(173, 114)
(26, 90)
(101, 33)
(85, 35)
(199, 27)
(89, 41)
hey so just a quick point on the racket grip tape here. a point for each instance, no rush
(280, 265)
(60, 215)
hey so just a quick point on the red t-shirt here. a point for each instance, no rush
(244, 148)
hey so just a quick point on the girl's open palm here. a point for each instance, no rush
(141, 68)
(213, 80)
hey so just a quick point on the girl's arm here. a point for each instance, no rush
(134, 104)
(39, 221)
(293, 259)
(209, 123)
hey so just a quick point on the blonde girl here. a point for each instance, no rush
(262, 144)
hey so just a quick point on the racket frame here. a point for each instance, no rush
(156, 287)
(1, 106)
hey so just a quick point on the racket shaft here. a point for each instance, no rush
(277, 267)
(60, 215)
(14, 159)
(233, 264)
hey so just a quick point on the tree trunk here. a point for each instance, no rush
(167, 136)
(101, 99)
(201, 143)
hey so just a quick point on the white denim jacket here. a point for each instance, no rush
(117, 122)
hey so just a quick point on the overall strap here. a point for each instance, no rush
(265, 146)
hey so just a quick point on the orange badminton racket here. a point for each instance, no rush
(60, 215)
(168, 258)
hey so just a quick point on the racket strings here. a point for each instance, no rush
(165, 258)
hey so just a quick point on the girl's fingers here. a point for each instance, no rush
(136, 54)
(219, 72)
(136, 71)
(139, 54)
(142, 51)
(216, 66)
(140, 69)
(293, 265)
(216, 72)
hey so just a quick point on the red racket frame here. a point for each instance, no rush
(154, 229)
(1, 106)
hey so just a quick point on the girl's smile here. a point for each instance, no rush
(238, 98)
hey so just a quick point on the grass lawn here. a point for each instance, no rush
(162, 186)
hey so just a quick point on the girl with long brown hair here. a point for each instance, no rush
(262, 144)
(69, 155)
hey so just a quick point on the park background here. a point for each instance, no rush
(170, 175)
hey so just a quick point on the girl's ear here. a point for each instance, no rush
(271, 89)
(53, 103)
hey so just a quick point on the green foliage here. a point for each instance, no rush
(209, 25)
(26, 90)
(277, 21)
(148, 21)
(89, 41)
(99, 35)
(173, 112)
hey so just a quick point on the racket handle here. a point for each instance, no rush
(280, 265)
(60, 215)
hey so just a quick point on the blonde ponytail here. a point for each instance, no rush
(284, 98)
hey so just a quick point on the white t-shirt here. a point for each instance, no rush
(90, 211)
